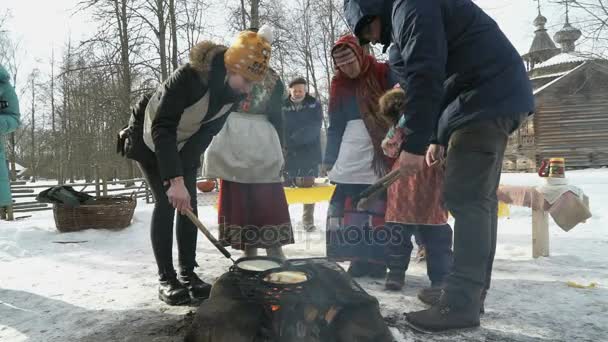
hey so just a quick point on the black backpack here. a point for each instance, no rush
(65, 195)
(130, 142)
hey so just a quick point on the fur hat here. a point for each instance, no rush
(249, 54)
(392, 105)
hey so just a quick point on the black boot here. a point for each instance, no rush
(198, 289)
(358, 269)
(431, 296)
(397, 266)
(172, 292)
(395, 280)
(448, 314)
(377, 271)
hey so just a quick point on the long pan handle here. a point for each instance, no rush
(361, 200)
(206, 232)
(380, 184)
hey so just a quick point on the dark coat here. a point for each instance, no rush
(177, 102)
(303, 137)
(454, 61)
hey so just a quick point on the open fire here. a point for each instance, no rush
(306, 300)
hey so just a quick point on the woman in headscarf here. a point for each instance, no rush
(247, 156)
(355, 159)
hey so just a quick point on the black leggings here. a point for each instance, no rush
(161, 230)
(163, 215)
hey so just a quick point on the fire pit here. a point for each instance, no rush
(305, 300)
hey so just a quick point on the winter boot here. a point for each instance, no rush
(198, 289)
(430, 295)
(447, 315)
(397, 266)
(358, 269)
(172, 292)
(376, 271)
(395, 280)
(276, 252)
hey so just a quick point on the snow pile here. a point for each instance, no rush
(102, 287)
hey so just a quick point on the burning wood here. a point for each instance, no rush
(309, 300)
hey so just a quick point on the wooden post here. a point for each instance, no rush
(97, 185)
(147, 192)
(104, 187)
(8, 213)
(540, 233)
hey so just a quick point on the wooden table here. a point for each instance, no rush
(568, 211)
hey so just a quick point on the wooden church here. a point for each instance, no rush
(571, 93)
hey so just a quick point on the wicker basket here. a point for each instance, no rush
(103, 213)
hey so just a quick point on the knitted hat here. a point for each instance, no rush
(249, 54)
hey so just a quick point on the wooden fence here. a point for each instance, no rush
(24, 196)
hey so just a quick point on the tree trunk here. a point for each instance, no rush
(162, 42)
(173, 16)
(243, 15)
(255, 13)
(33, 156)
(123, 30)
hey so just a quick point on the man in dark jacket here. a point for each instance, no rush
(467, 89)
(303, 118)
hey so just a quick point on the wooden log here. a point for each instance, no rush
(30, 206)
(22, 191)
(25, 196)
(32, 210)
(18, 182)
(540, 233)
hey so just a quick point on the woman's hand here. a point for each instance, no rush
(435, 155)
(178, 195)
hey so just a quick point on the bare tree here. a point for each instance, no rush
(173, 20)
(594, 22)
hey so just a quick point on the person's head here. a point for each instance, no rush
(297, 89)
(346, 60)
(370, 20)
(369, 30)
(248, 58)
(392, 106)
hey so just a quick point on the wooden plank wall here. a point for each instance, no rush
(572, 118)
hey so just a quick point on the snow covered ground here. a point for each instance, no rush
(103, 288)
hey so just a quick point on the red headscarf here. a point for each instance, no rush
(367, 88)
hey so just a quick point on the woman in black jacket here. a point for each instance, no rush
(180, 120)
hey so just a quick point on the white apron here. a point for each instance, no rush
(354, 163)
(246, 150)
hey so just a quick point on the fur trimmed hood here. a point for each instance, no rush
(202, 56)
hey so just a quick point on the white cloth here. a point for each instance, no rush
(246, 150)
(354, 162)
(551, 193)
